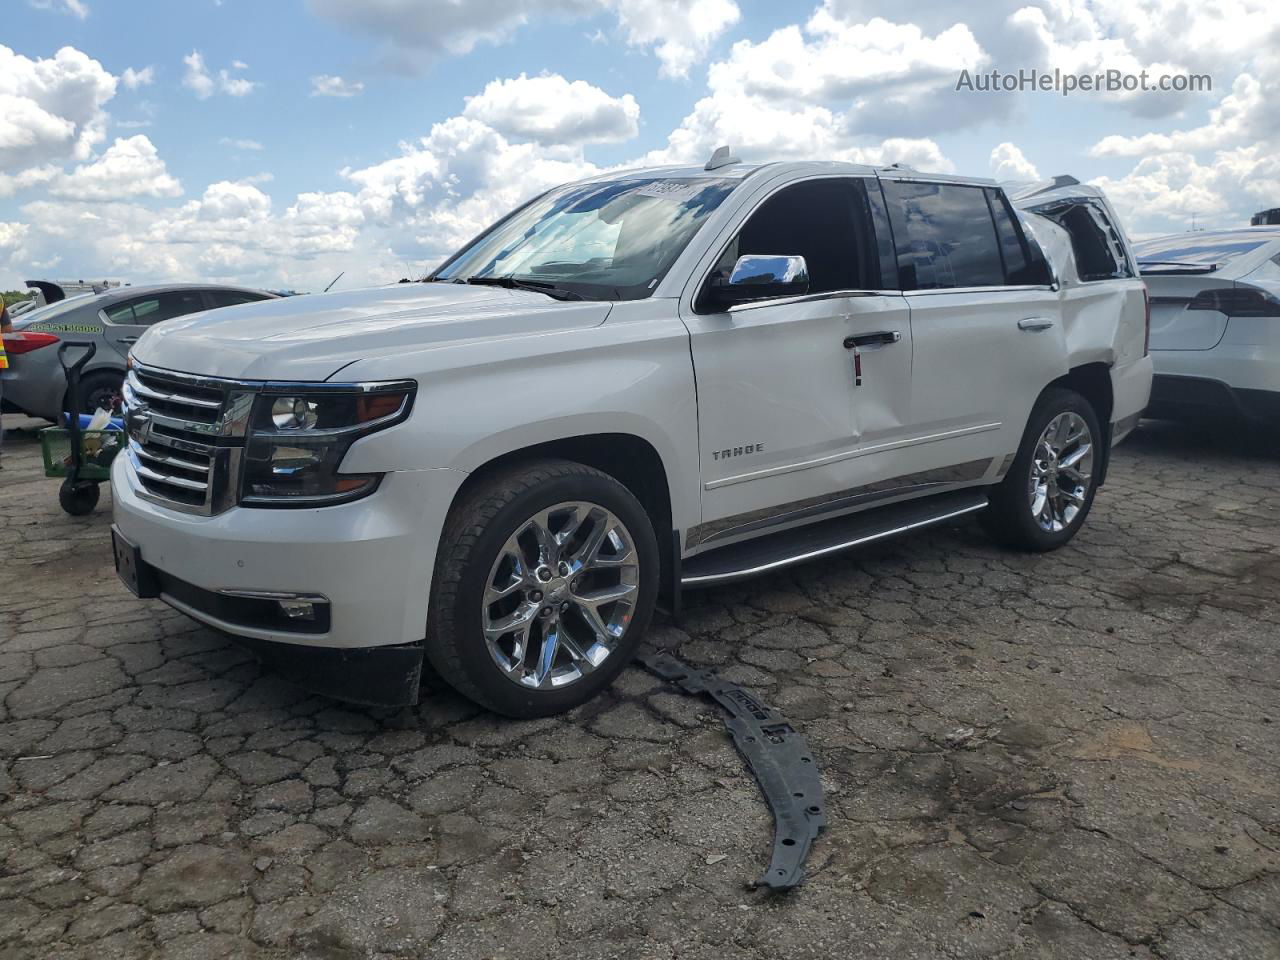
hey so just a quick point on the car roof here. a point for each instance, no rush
(116, 294)
(738, 170)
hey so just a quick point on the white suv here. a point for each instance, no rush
(632, 385)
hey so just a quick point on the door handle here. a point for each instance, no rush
(1035, 323)
(128, 339)
(880, 339)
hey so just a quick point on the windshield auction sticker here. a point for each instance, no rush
(670, 190)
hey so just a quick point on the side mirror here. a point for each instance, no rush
(758, 277)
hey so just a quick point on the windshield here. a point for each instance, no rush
(610, 240)
(1169, 250)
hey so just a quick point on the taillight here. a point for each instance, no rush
(1146, 309)
(1237, 302)
(23, 342)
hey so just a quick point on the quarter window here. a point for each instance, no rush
(944, 235)
(1024, 261)
(1095, 242)
(229, 298)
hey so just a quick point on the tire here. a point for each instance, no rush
(78, 500)
(99, 389)
(1012, 518)
(491, 538)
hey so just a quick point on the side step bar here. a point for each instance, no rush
(739, 561)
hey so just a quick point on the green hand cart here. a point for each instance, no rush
(81, 457)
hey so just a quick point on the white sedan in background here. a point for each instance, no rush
(1215, 323)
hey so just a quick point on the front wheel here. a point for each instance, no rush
(545, 582)
(1047, 493)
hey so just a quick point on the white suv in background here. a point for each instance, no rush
(1215, 323)
(630, 386)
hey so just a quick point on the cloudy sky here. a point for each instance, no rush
(277, 143)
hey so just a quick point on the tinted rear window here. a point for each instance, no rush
(944, 235)
(229, 298)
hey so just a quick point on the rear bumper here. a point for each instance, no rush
(1179, 398)
(1130, 394)
(31, 389)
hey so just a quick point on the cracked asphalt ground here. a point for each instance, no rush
(1062, 756)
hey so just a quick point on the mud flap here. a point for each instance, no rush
(779, 758)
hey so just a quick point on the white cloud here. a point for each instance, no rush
(77, 8)
(128, 168)
(837, 88)
(133, 79)
(1009, 163)
(327, 85)
(235, 86)
(51, 113)
(11, 237)
(240, 144)
(680, 32)
(199, 81)
(197, 78)
(553, 110)
(447, 185)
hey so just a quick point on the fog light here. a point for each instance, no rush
(298, 609)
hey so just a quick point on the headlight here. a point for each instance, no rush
(298, 437)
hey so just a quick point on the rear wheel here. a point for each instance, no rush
(1047, 493)
(545, 582)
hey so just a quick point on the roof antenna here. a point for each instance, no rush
(332, 282)
(722, 157)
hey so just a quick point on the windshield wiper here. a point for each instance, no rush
(537, 286)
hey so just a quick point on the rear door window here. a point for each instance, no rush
(944, 235)
(147, 310)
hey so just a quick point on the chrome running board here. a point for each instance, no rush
(801, 544)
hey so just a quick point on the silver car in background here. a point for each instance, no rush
(113, 320)
(1215, 323)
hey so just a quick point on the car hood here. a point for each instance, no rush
(312, 337)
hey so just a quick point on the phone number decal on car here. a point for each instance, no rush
(64, 328)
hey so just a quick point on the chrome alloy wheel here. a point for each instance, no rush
(1061, 470)
(560, 595)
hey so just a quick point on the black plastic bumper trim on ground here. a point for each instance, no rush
(778, 756)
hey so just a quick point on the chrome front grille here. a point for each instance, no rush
(186, 437)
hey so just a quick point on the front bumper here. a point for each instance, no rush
(371, 560)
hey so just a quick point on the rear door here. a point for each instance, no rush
(127, 320)
(985, 319)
